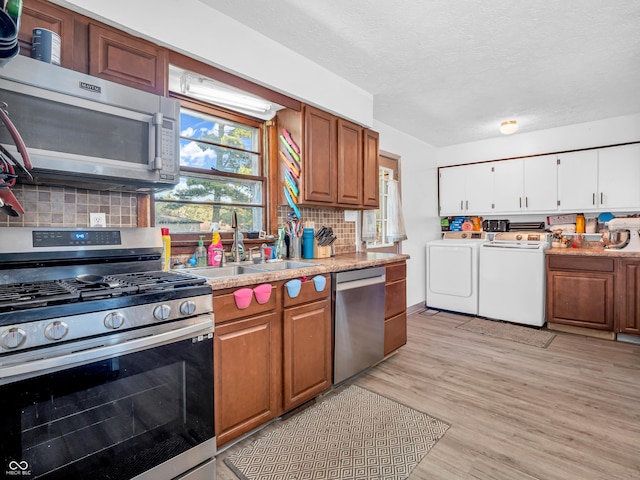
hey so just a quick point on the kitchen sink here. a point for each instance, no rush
(284, 265)
(217, 272)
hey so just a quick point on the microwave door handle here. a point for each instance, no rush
(157, 127)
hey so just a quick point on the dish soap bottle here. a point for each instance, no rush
(166, 249)
(214, 256)
(201, 253)
(580, 223)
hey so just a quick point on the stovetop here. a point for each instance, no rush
(27, 301)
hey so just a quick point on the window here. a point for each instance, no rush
(385, 175)
(221, 170)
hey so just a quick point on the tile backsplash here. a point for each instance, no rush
(345, 231)
(46, 206)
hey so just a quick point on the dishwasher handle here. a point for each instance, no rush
(365, 282)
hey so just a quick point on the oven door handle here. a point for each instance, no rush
(28, 369)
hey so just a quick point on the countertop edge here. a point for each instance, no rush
(339, 263)
(593, 252)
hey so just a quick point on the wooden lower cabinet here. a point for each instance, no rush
(628, 296)
(580, 291)
(395, 307)
(247, 378)
(306, 352)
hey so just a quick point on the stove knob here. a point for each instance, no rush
(162, 312)
(518, 237)
(114, 320)
(188, 307)
(13, 338)
(56, 330)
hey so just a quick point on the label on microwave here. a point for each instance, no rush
(91, 87)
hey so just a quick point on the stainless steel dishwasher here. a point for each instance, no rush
(358, 321)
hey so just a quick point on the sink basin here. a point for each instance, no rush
(217, 272)
(284, 265)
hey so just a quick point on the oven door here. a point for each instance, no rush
(139, 407)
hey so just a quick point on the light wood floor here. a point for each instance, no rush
(567, 412)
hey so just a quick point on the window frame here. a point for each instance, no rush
(191, 238)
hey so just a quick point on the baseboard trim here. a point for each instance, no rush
(587, 332)
(418, 307)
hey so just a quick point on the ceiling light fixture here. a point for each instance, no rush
(508, 127)
(206, 90)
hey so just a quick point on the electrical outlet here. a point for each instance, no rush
(97, 219)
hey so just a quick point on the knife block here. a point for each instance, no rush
(319, 251)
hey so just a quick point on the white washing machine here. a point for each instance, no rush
(452, 271)
(512, 278)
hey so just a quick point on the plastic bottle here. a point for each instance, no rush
(240, 239)
(580, 223)
(213, 256)
(201, 253)
(307, 243)
(166, 249)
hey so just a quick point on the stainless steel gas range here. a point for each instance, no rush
(106, 362)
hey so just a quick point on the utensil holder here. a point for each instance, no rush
(295, 248)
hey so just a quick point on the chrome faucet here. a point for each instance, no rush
(236, 239)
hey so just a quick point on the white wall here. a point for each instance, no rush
(583, 135)
(419, 202)
(190, 27)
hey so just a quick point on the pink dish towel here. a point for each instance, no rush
(263, 293)
(243, 297)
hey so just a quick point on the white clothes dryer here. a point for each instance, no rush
(452, 271)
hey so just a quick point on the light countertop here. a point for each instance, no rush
(338, 263)
(594, 251)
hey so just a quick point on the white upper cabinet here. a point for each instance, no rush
(578, 181)
(540, 184)
(466, 190)
(604, 179)
(526, 185)
(452, 190)
(619, 178)
(508, 182)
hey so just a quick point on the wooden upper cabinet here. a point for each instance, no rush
(122, 58)
(350, 163)
(339, 159)
(319, 159)
(40, 14)
(371, 165)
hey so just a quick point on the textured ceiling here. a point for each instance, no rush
(449, 72)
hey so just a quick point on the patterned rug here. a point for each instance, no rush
(507, 331)
(354, 434)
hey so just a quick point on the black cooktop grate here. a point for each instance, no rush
(18, 296)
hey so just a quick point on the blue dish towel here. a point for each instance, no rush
(293, 287)
(320, 282)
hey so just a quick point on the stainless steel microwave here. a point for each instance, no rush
(87, 132)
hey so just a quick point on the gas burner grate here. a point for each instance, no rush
(19, 296)
(28, 295)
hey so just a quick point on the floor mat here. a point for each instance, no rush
(507, 331)
(354, 434)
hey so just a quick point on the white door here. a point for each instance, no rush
(541, 184)
(452, 191)
(508, 186)
(578, 181)
(479, 189)
(619, 177)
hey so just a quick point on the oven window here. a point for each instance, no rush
(111, 419)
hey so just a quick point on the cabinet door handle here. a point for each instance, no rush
(593, 198)
(467, 205)
(601, 198)
(461, 204)
(520, 200)
(526, 202)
